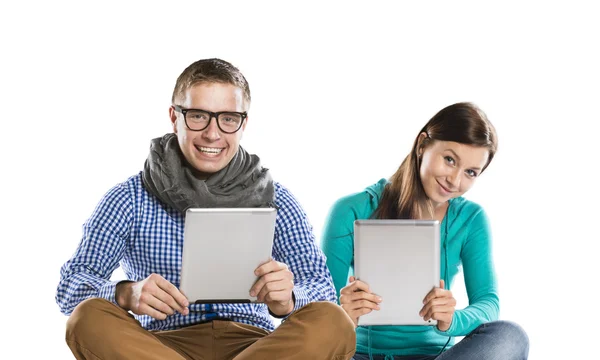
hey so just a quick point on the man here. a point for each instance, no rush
(139, 224)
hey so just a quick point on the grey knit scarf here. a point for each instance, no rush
(169, 177)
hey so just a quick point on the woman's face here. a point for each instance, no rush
(449, 169)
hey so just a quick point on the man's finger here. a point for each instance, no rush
(160, 305)
(275, 276)
(279, 285)
(169, 288)
(166, 298)
(154, 307)
(279, 295)
(146, 309)
(259, 285)
(269, 267)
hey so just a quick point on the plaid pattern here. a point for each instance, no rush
(131, 228)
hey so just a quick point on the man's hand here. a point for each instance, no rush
(439, 305)
(154, 296)
(274, 287)
(357, 299)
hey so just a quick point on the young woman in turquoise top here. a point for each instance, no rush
(447, 157)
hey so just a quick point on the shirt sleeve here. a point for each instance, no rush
(338, 242)
(87, 273)
(295, 246)
(480, 280)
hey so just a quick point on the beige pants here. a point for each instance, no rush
(99, 329)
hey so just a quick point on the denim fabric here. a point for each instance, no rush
(498, 340)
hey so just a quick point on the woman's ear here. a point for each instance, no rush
(422, 140)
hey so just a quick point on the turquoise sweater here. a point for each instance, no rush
(468, 244)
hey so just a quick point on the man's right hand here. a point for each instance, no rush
(154, 296)
(357, 300)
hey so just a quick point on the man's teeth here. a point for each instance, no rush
(210, 150)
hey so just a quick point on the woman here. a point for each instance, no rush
(448, 155)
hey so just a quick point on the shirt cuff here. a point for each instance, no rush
(108, 291)
(301, 298)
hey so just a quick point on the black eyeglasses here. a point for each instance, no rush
(228, 122)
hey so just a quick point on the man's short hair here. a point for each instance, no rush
(210, 71)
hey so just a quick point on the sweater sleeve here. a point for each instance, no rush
(480, 279)
(338, 241)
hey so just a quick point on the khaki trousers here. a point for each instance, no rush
(99, 329)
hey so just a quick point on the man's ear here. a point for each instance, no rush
(173, 116)
(241, 131)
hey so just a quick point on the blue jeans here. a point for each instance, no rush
(498, 340)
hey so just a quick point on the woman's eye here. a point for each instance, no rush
(449, 160)
(471, 173)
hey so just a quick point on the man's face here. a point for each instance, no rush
(209, 150)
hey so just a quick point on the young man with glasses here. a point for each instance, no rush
(139, 224)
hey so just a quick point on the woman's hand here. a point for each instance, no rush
(439, 305)
(357, 300)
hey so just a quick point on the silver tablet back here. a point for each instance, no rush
(221, 250)
(400, 260)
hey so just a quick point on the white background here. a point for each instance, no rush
(339, 93)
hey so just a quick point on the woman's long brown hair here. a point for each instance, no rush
(404, 197)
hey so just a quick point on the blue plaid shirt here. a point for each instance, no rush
(133, 228)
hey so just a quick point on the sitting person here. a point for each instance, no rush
(139, 225)
(448, 155)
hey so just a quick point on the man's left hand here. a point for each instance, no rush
(274, 287)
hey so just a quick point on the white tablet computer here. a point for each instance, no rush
(400, 260)
(221, 250)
